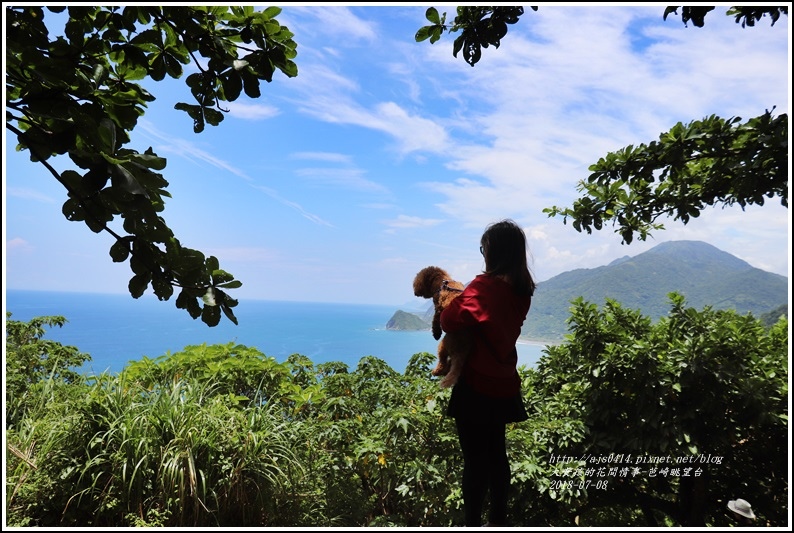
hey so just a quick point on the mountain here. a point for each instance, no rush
(702, 273)
(770, 319)
(404, 321)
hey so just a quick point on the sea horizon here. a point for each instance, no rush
(115, 329)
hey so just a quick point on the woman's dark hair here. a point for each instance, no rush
(504, 247)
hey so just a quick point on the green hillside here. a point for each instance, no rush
(703, 274)
(403, 321)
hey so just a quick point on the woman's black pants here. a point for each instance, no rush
(486, 470)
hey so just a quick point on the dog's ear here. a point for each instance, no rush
(428, 281)
(436, 326)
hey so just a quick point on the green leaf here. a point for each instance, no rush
(232, 85)
(211, 315)
(209, 297)
(290, 69)
(120, 251)
(212, 263)
(138, 284)
(73, 211)
(432, 15)
(99, 74)
(157, 67)
(271, 12)
(107, 135)
(149, 160)
(185, 300)
(220, 276)
(173, 63)
(124, 180)
(250, 85)
(213, 116)
(131, 71)
(229, 314)
(162, 287)
(423, 33)
(457, 45)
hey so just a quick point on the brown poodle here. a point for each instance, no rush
(434, 282)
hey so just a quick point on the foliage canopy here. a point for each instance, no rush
(78, 94)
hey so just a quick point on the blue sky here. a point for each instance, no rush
(385, 155)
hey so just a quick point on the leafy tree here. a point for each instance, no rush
(480, 27)
(706, 162)
(78, 94)
(31, 361)
(241, 372)
(387, 440)
(41, 387)
(705, 391)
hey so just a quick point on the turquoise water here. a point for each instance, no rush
(115, 329)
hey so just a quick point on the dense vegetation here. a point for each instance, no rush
(223, 435)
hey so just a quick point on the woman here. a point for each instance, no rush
(488, 394)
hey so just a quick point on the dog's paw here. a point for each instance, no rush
(441, 369)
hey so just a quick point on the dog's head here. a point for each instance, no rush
(428, 282)
(433, 282)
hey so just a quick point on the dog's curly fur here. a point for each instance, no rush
(453, 349)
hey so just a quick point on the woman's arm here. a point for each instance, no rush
(464, 311)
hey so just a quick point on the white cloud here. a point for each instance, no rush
(323, 156)
(250, 111)
(18, 244)
(188, 150)
(408, 222)
(412, 132)
(336, 24)
(293, 205)
(29, 194)
(340, 177)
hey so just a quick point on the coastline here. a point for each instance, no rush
(539, 342)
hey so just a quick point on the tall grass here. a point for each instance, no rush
(176, 454)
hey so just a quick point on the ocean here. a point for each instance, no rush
(116, 329)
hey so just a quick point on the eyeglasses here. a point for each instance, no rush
(482, 251)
